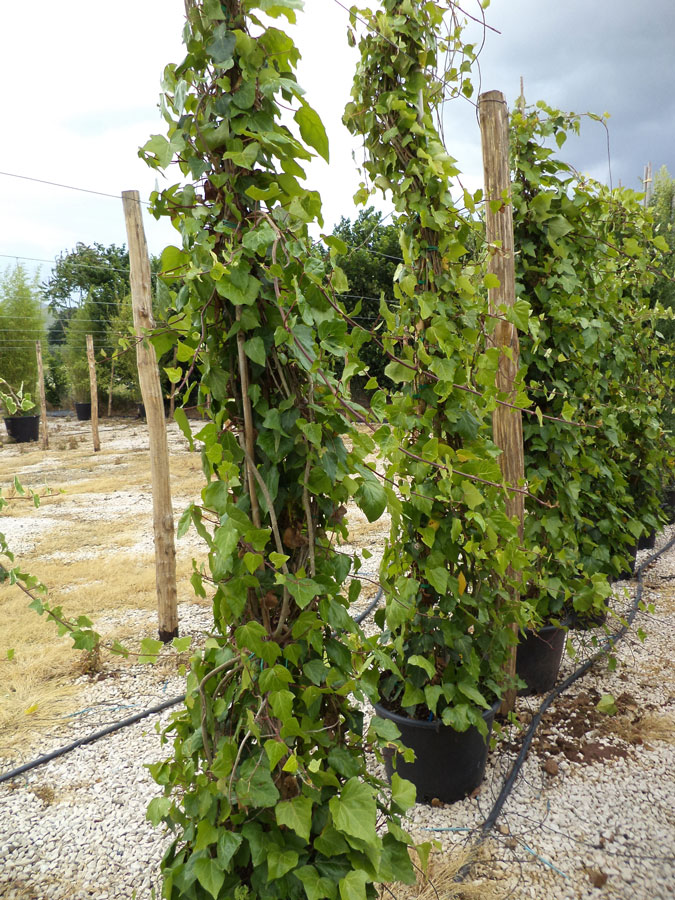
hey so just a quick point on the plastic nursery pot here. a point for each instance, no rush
(668, 503)
(538, 658)
(647, 541)
(627, 573)
(83, 411)
(448, 764)
(23, 428)
(585, 621)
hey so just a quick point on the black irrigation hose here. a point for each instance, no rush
(608, 645)
(89, 739)
(131, 720)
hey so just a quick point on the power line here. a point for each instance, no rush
(68, 187)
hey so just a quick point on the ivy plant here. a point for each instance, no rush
(585, 264)
(448, 566)
(266, 792)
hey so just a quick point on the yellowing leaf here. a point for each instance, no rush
(461, 583)
(31, 709)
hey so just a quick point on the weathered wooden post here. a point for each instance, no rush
(93, 390)
(507, 425)
(44, 433)
(151, 392)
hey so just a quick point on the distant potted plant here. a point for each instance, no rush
(20, 309)
(80, 388)
(21, 423)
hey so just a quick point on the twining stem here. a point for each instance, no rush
(248, 425)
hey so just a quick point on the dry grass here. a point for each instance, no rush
(645, 729)
(440, 881)
(92, 545)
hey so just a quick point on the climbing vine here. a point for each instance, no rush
(586, 265)
(448, 564)
(267, 791)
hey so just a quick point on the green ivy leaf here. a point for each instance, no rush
(209, 875)
(280, 861)
(403, 792)
(354, 811)
(371, 498)
(316, 886)
(255, 350)
(296, 814)
(312, 130)
(353, 885)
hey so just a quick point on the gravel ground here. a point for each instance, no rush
(592, 813)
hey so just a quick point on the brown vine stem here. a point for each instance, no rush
(248, 424)
(285, 607)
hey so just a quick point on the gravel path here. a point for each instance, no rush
(592, 813)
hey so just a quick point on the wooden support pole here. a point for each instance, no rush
(44, 433)
(93, 390)
(507, 424)
(151, 392)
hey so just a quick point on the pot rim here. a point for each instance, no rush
(433, 723)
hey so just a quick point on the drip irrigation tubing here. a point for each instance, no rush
(608, 645)
(132, 720)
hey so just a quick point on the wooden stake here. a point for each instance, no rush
(93, 389)
(44, 433)
(507, 425)
(151, 392)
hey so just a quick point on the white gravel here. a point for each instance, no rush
(75, 828)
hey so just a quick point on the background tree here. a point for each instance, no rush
(22, 322)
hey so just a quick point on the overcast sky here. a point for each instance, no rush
(81, 86)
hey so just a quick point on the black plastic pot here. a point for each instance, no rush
(83, 411)
(538, 658)
(579, 621)
(23, 428)
(668, 503)
(448, 764)
(647, 541)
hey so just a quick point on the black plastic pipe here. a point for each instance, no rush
(131, 720)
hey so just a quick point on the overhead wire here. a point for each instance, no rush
(68, 187)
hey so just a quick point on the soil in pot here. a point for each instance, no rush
(83, 411)
(23, 428)
(538, 658)
(448, 764)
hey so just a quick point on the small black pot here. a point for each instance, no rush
(23, 428)
(448, 764)
(627, 573)
(668, 504)
(538, 658)
(647, 541)
(83, 411)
